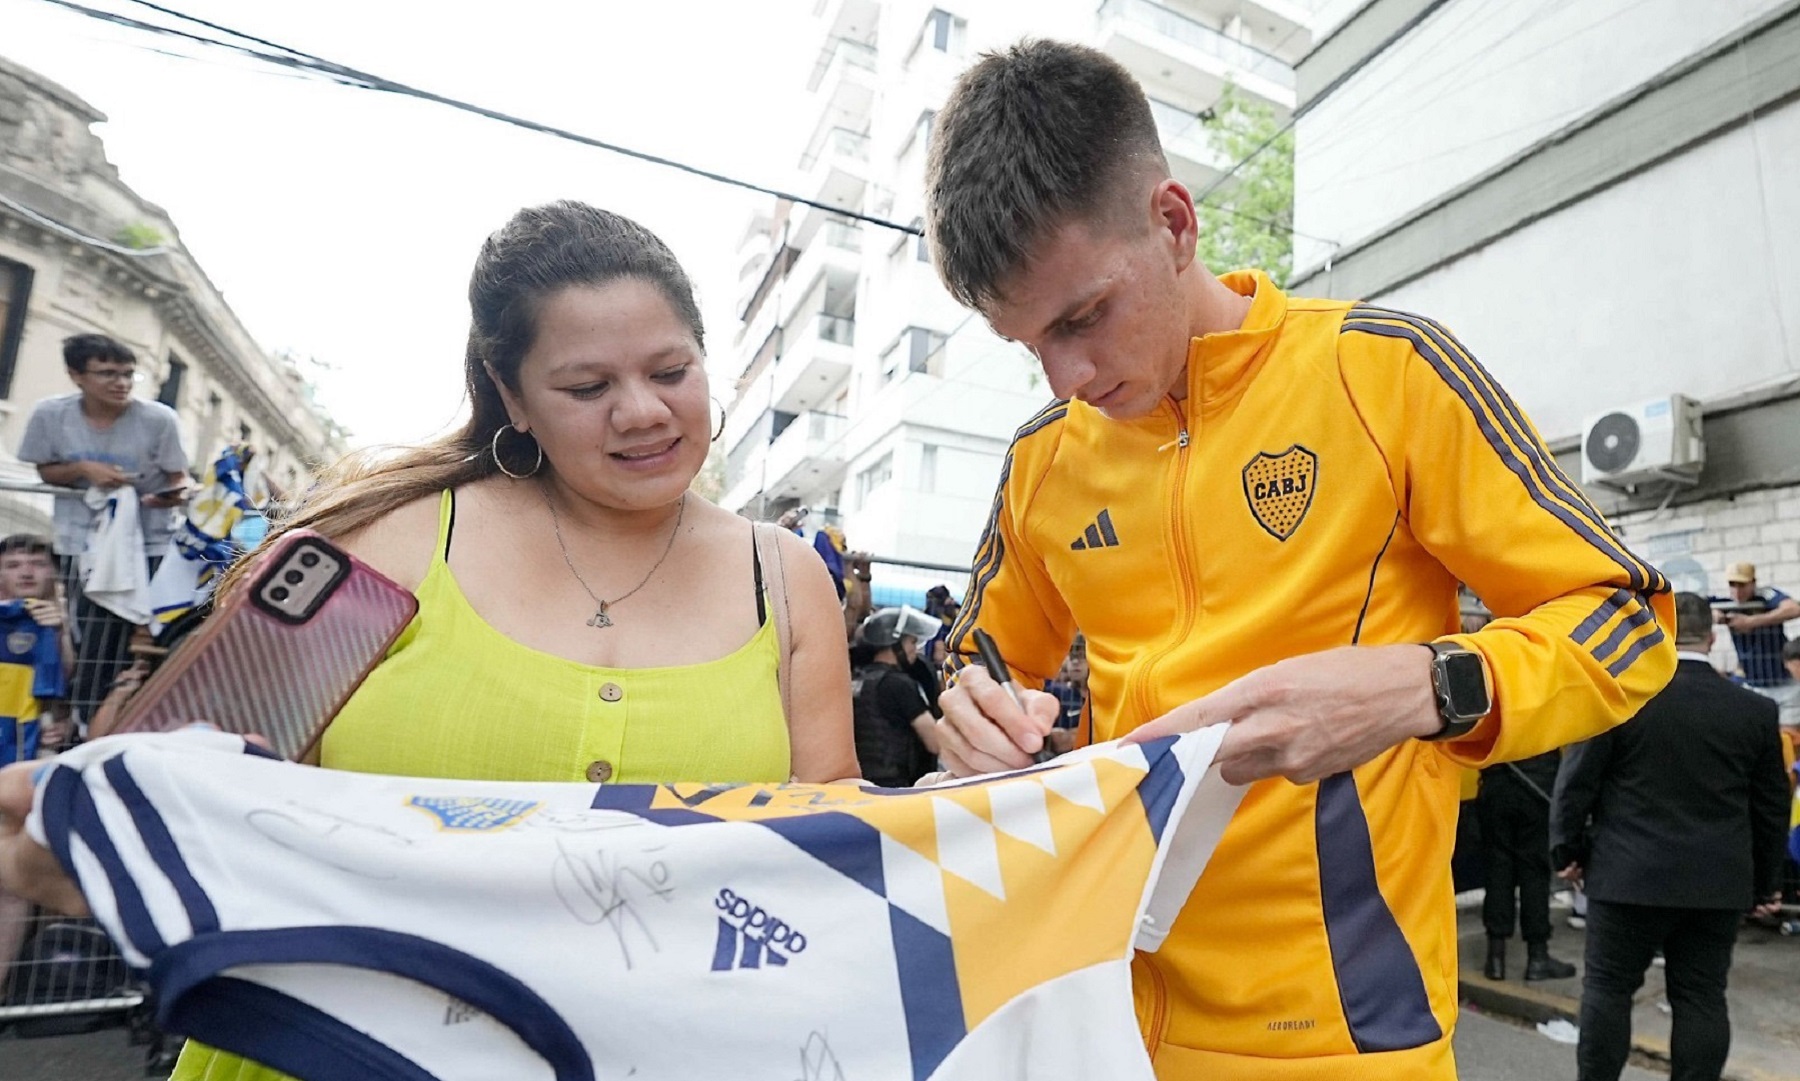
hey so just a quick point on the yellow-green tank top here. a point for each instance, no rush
(456, 698)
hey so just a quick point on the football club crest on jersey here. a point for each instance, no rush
(20, 641)
(472, 813)
(1279, 488)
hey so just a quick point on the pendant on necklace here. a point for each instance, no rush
(601, 619)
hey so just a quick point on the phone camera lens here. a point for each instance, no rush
(309, 559)
(278, 594)
(292, 578)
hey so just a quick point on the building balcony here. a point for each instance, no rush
(807, 456)
(1183, 134)
(831, 260)
(1151, 39)
(844, 82)
(747, 409)
(1282, 27)
(815, 363)
(839, 170)
(849, 20)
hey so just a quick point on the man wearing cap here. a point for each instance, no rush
(1755, 615)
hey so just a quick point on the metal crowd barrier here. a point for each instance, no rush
(58, 974)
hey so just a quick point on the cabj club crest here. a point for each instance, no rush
(1279, 489)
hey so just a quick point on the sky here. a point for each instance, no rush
(341, 224)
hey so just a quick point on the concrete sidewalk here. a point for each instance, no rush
(1764, 995)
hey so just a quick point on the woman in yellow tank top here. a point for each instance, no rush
(582, 614)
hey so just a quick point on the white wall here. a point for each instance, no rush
(1473, 86)
(1676, 280)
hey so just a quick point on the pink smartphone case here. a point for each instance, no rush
(248, 671)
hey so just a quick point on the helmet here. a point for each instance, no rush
(886, 627)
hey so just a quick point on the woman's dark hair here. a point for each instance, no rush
(541, 251)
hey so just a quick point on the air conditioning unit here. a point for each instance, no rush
(1657, 440)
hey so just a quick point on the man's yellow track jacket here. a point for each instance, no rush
(1333, 472)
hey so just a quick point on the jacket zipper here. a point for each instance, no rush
(1178, 522)
(1159, 1007)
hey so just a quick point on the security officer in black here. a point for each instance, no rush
(1514, 810)
(896, 738)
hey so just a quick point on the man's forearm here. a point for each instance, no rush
(62, 473)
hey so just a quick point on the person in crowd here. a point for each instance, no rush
(582, 614)
(859, 601)
(896, 738)
(1070, 689)
(35, 651)
(1756, 616)
(1513, 805)
(34, 655)
(1514, 808)
(103, 437)
(1675, 823)
(1257, 509)
(1790, 710)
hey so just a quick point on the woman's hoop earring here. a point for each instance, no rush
(494, 446)
(721, 430)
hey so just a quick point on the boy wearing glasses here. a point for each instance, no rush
(103, 437)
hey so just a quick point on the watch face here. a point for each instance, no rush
(1462, 680)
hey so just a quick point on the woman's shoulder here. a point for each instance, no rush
(400, 543)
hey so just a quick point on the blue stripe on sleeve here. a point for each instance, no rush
(1512, 420)
(1590, 626)
(1598, 537)
(160, 843)
(134, 915)
(1618, 667)
(1636, 618)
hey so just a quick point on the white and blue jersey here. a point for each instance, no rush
(334, 924)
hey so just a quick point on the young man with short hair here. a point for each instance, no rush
(103, 437)
(34, 647)
(1257, 509)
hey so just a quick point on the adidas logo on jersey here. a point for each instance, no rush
(749, 937)
(1098, 535)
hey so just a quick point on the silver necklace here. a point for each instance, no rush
(600, 618)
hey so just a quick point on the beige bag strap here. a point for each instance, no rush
(774, 573)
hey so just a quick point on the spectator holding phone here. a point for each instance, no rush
(582, 614)
(102, 437)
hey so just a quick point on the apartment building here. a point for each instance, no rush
(864, 391)
(80, 252)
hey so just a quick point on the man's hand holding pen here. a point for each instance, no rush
(991, 725)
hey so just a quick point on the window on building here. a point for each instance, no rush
(243, 432)
(918, 349)
(874, 477)
(919, 138)
(15, 291)
(942, 32)
(913, 243)
(170, 394)
(928, 459)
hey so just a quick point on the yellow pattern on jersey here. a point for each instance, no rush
(1047, 914)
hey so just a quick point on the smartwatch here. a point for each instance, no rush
(1459, 683)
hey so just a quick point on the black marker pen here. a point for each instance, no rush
(996, 666)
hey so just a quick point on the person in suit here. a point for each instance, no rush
(1675, 820)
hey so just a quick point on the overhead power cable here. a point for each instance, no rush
(341, 73)
(289, 57)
